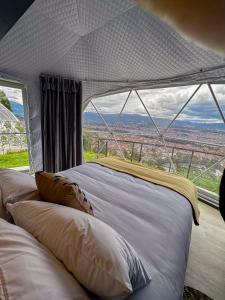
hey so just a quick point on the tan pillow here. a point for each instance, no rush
(98, 257)
(58, 189)
(29, 271)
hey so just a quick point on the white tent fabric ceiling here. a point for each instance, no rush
(109, 40)
(108, 44)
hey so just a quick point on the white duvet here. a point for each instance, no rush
(156, 221)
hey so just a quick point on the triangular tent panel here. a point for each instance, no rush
(109, 45)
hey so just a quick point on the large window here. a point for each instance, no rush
(13, 138)
(177, 129)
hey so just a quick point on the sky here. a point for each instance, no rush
(166, 103)
(161, 103)
(13, 94)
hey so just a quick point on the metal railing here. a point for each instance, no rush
(188, 163)
(106, 141)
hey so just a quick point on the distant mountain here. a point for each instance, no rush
(17, 109)
(94, 119)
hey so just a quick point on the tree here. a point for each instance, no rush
(5, 101)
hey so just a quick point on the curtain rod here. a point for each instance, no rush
(57, 76)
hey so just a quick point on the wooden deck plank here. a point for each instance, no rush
(206, 265)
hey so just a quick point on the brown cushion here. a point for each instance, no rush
(58, 189)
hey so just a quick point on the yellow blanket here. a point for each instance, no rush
(174, 182)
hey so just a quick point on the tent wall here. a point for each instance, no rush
(109, 45)
(100, 88)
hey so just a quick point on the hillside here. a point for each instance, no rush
(93, 119)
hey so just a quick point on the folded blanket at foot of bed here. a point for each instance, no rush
(172, 181)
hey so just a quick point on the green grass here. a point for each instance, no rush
(90, 156)
(14, 159)
(20, 159)
(207, 181)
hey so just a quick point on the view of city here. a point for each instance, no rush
(165, 133)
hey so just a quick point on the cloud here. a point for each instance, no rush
(161, 103)
(13, 94)
(167, 102)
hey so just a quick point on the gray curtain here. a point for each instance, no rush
(61, 121)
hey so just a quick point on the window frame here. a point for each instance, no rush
(203, 194)
(17, 85)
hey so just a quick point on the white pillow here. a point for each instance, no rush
(99, 258)
(15, 186)
(29, 271)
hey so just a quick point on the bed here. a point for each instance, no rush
(155, 220)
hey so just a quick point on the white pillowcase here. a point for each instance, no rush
(15, 186)
(99, 258)
(28, 271)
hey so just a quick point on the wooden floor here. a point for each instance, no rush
(206, 266)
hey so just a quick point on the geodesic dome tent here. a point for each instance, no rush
(6, 115)
(108, 45)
